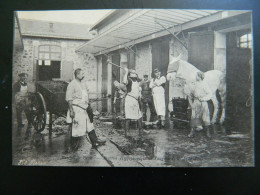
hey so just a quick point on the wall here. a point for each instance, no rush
(220, 52)
(25, 61)
(176, 85)
(143, 60)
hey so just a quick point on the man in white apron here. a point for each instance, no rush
(132, 106)
(157, 85)
(198, 94)
(78, 100)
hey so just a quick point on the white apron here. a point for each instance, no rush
(159, 100)
(159, 103)
(132, 110)
(81, 124)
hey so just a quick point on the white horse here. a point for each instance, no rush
(214, 78)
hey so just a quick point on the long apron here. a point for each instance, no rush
(81, 124)
(200, 114)
(132, 109)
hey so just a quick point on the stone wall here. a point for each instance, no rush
(25, 61)
(143, 60)
(176, 85)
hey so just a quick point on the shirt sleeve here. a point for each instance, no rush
(161, 81)
(69, 92)
(151, 85)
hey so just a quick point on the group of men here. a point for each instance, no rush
(136, 96)
(139, 95)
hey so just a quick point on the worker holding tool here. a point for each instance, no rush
(119, 96)
(132, 99)
(80, 114)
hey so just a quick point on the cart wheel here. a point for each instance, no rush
(39, 112)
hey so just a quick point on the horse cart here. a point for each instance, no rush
(48, 103)
(48, 100)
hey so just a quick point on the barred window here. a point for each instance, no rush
(245, 41)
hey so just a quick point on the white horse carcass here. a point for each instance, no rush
(214, 78)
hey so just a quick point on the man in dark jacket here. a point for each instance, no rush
(22, 101)
(147, 98)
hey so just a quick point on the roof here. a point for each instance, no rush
(55, 29)
(139, 25)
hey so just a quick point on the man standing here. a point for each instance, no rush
(147, 98)
(22, 101)
(132, 107)
(198, 94)
(119, 97)
(157, 84)
(80, 113)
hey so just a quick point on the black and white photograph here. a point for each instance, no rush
(133, 88)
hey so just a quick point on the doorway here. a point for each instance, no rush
(160, 60)
(48, 70)
(239, 82)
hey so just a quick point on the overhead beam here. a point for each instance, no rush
(172, 34)
(188, 25)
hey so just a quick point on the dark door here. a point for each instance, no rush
(160, 60)
(115, 74)
(239, 79)
(49, 71)
(104, 82)
(201, 50)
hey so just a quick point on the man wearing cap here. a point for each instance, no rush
(147, 98)
(22, 101)
(132, 107)
(157, 84)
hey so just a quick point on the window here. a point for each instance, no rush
(245, 41)
(49, 62)
(49, 52)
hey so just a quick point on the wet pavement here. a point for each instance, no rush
(229, 146)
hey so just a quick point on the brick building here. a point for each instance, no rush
(48, 51)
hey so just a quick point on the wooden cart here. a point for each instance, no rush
(49, 99)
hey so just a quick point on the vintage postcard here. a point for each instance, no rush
(133, 88)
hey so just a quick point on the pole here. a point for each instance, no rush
(172, 34)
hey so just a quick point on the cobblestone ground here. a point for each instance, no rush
(169, 147)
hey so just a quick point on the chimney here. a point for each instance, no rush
(51, 27)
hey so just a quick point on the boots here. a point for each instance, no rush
(162, 123)
(140, 127)
(94, 140)
(191, 134)
(208, 132)
(74, 143)
(159, 123)
(127, 126)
